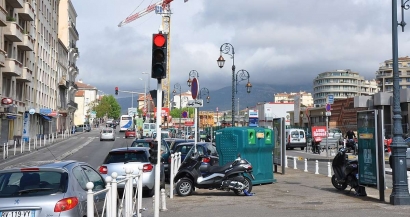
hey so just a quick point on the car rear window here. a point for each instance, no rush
(119, 157)
(107, 131)
(140, 144)
(212, 149)
(37, 183)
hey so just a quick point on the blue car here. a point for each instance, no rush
(208, 149)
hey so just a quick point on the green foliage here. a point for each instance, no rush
(108, 106)
(176, 112)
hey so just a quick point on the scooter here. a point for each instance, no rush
(228, 177)
(351, 145)
(345, 172)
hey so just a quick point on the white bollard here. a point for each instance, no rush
(40, 141)
(329, 171)
(108, 180)
(4, 151)
(317, 167)
(163, 201)
(344, 143)
(21, 147)
(286, 161)
(114, 195)
(128, 192)
(52, 138)
(29, 144)
(171, 177)
(90, 199)
(15, 144)
(7, 152)
(294, 163)
(306, 165)
(49, 138)
(139, 203)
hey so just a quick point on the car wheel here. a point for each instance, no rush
(125, 137)
(184, 187)
(302, 148)
(248, 187)
(151, 192)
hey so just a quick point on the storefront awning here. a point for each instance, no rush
(46, 117)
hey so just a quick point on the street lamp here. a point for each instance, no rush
(192, 74)
(178, 87)
(400, 194)
(203, 92)
(227, 48)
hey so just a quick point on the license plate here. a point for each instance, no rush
(21, 213)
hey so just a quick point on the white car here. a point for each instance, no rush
(107, 134)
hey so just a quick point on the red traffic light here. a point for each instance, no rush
(159, 40)
(116, 88)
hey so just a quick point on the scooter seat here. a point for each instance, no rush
(219, 169)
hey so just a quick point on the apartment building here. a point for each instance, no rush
(68, 37)
(342, 84)
(384, 76)
(36, 68)
(86, 98)
(305, 98)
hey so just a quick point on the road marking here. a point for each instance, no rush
(68, 153)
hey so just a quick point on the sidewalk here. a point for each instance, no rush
(323, 158)
(19, 151)
(297, 193)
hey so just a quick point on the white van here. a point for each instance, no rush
(295, 138)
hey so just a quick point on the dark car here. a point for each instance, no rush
(173, 142)
(208, 149)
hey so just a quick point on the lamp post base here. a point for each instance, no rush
(400, 199)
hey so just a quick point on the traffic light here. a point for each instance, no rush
(143, 119)
(159, 56)
(153, 94)
(116, 90)
(165, 118)
(153, 152)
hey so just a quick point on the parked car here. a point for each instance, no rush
(49, 189)
(295, 138)
(118, 159)
(173, 142)
(130, 132)
(206, 148)
(166, 153)
(164, 134)
(107, 134)
(83, 128)
(407, 141)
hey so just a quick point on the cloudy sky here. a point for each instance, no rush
(276, 41)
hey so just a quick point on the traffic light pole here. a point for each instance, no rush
(158, 138)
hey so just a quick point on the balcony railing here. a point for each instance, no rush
(72, 104)
(74, 85)
(26, 76)
(15, 3)
(27, 12)
(3, 16)
(72, 26)
(26, 44)
(13, 67)
(63, 83)
(13, 32)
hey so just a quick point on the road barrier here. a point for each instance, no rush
(174, 166)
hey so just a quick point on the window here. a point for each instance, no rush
(121, 157)
(80, 176)
(94, 177)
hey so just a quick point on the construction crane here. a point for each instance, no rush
(161, 7)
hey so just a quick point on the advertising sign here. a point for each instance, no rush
(26, 127)
(319, 131)
(277, 130)
(253, 113)
(253, 118)
(367, 139)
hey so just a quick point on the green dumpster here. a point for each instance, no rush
(255, 144)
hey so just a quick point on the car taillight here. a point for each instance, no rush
(103, 170)
(29, 169)
(169, 160)
(147, 168)
(206, 160)
(66, 204)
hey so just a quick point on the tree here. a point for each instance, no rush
(108, 106)
(176, 112)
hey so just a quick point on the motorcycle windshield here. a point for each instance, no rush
(339, 164)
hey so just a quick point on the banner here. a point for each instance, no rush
(319, 131)
(277, 130)
(26, 127)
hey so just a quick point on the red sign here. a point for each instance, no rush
(53, 114)
(164, 112)
(194, 88)
(189, 123)
(7, 101)
(318, 131)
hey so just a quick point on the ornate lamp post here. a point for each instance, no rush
(178, 87)
(203, 92)
(227, 48)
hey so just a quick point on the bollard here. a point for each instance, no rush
(344, 143)
(52, 138)
(29, 144)
(7, 153)
(317, 167)
(294, 163)
(108, 180)
(4, 151)
(21, 147)
(306, 165)
(153, 202)
(114, 194)
(171, 177)
(90, 199)
(286, 161)
(15, 143)
(163, 201)
(329, 172)
(40, 141)
(139, 205)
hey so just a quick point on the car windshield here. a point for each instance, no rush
(140, 144)
(38, 183)
(124, 157)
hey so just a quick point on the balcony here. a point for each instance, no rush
(27, 12)
(72, 104)
(63, 83)
(27, 43)
(71, 25)
(3, 16)
(15, 3)
(2, 58)
(13, 32)
(26, 76)
(13, 67)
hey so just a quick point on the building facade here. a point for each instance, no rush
(306, 99)
(86, 98)
(342, 84)
(384, 76)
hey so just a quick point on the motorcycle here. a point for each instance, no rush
(345, 172)
(351, 145)
(316, 145)
(228, 177)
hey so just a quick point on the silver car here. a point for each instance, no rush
(51, 189)
(107, 134)
(119, 159)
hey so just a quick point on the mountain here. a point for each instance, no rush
(222, 98)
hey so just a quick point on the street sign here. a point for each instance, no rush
(330, 99)
(93, 112)
(195, 103)
(32, 111)
(328, 114)
(184, 114)
(194, 88)
(328, 107)
(132, 111)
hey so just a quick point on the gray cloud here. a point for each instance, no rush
(277, 41)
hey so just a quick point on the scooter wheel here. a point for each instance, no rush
(248, 187)
(184, 187)
(337, 185)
